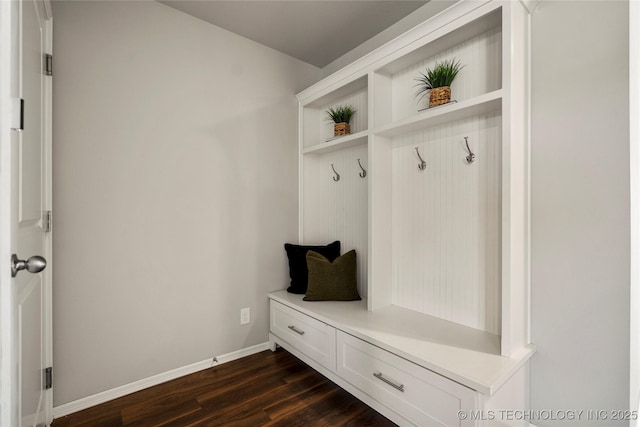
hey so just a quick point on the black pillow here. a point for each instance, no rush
(297, 255)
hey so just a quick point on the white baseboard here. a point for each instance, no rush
(114, 393)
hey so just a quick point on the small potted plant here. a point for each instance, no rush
(341, 116)
(437, 82)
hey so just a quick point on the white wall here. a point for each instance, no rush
(175, 187)
(580, 207)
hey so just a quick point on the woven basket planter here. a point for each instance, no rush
(439, 96)
(341, 129)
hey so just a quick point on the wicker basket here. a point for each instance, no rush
(341, 129)
(439, 96)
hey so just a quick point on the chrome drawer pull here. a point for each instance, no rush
(381, 377)
(296, 330)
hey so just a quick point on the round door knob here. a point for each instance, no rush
(35, 264)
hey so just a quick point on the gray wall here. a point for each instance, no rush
(634, 107)
(175, 183)
(140, 162)
(580, 206)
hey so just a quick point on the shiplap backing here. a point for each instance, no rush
(482, 73)
(446, 222)
(337, 210)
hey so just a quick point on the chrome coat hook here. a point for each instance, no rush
(337, 177)
(364, 172)
(422, 165)
(471, 157)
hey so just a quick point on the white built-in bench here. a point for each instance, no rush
(411, 367)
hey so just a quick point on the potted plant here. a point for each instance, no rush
(341, 115)
(437, 82)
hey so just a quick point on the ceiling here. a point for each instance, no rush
(314, 31)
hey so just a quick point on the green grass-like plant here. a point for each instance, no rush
(442, 74)
(341, 113)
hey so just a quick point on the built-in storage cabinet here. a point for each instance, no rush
(423, 397)
(438, 234)
(315, 339)
(414, 368)
(430, 239)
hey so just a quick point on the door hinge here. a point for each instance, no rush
(47, 221)
(48, 64)
(17, 116)
(48, 378)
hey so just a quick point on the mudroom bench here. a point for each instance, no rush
(411, 367)
(434, 200)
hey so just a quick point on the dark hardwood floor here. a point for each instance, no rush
(265, 389)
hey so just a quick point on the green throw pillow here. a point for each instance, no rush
(332, 281)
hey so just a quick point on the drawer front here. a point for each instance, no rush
(310, 336)
(422, 396)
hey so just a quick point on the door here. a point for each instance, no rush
(30, 209)
(30, 194)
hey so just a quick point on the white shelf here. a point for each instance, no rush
(468, 356)
(338, 143)
(337, 93)
(445, 114)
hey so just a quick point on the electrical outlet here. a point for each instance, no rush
(245, 316)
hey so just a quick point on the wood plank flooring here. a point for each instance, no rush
(264, 389)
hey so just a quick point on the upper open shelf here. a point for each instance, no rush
(444, 43)
(338, 143)
(338, 93)
(447, 113)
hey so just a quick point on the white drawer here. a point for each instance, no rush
(310, 336)
(422, 396)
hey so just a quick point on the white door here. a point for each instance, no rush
(29, 316)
